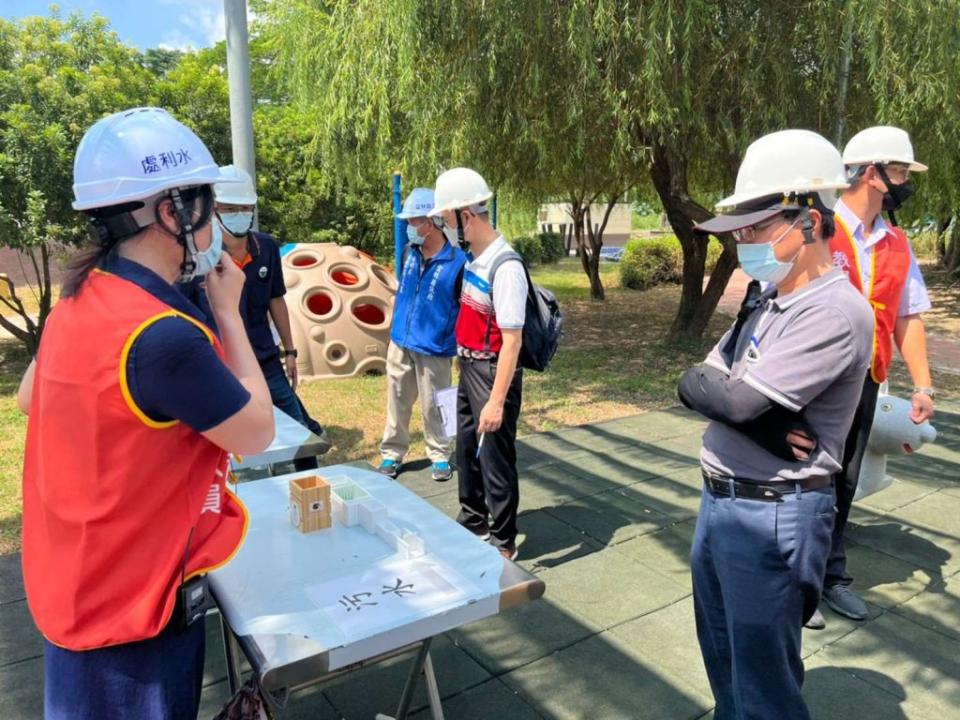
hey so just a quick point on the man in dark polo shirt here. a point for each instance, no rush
(258, 256)
(780, 389)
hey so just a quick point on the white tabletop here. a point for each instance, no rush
(291, 441)
(302, 605)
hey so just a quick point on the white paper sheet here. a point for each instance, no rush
(446, 401)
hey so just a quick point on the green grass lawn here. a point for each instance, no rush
(612, 363)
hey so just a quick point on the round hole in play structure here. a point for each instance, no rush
(319, 303)
(303, 260)
(369, 313)
(344, 277)
(385, 277)
(337, 354)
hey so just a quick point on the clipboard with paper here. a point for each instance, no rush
(446, 402)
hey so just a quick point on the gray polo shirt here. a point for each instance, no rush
(808, 351)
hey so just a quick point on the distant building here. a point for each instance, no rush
(555, 217)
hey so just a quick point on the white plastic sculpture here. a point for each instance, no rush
(341, 303)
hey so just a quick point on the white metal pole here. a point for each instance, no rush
(241, 94)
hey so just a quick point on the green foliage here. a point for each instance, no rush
(297, 203)
(57, 77)
(648, 262)
(540, 248)
(160, 61)
(197, 94)
(552, 247)
(529, 248)
(924, 244)
(646, 221)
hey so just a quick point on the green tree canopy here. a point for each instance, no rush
(57, 77)
(545, 97)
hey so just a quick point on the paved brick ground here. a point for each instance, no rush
(608, 512)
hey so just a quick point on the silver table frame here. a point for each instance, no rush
(308, 664)
(422, 663)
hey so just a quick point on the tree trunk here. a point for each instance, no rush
(589, 260)
(668, 171)
(952, 245)
(595, 242)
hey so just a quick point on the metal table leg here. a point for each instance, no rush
(433, 690)
(407, 696)
(231, 651)
(421, 664)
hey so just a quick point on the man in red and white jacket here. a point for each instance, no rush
(489, 334)
(877, 258)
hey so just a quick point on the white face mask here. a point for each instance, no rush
(413, 237)
(237, 224)
(206, 260)
(451, 234)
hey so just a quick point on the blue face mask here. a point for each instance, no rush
(759, 261)
(207, 260)
(413, 237)
(237, 224)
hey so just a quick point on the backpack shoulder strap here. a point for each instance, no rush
(498, 261)
(505, 257)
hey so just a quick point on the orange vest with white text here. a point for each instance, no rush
(117, 508)
(890, 264)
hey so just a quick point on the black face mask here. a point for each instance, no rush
(896, 195)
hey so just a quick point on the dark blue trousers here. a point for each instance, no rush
(156, 679)
(757, 575)
(284, 397)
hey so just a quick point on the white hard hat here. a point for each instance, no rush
(419, 203)
(459, 188)
(238, 190)
(782, 164)
(136, 154)
(881, 144)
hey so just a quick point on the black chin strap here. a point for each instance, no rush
(886, 179)
(806, 225)
(113, 229)
(460, 238)
(185, 235)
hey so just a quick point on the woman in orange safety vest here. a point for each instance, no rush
(134, 404)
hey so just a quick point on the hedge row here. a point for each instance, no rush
(540, 248)
(648, 262)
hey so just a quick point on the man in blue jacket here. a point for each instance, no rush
(422, 344)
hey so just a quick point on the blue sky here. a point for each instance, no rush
(143, 23)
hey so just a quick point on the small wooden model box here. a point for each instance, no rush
(310, 503)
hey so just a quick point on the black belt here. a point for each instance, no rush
(768, 492)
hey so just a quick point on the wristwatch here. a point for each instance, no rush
(290, 353)
(928, 391)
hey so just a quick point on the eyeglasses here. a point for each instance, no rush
(749, 234)
(897, 173)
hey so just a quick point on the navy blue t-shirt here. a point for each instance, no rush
(264, 282)
(173, 371)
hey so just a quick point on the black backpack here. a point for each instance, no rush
(543, 324)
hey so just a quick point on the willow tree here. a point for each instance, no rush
(418, 86)
(577, 100)
(906, 69)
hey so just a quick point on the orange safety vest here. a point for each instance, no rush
(890, 264)
(112, 498)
